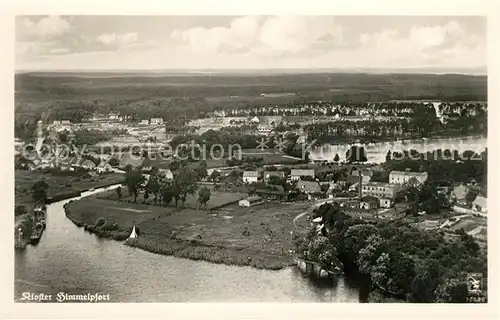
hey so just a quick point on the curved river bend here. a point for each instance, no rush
(70, 260)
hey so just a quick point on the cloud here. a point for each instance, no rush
(122, 40)
(45, 28)
(422, 45)
(267, 36)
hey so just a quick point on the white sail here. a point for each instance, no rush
(133, 235)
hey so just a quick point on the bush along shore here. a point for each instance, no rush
(100, 227)
(196, 250)
(189, 249)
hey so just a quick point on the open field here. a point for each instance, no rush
(59, 184)
(258, 236)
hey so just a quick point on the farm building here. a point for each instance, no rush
(369, 203)
(401, 177)
(296, 174)
(250, 176)
(250, 201)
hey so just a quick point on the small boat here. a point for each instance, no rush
(133, 234)
(91, 189)
(37, 233)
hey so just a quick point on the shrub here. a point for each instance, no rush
(109, 226)
(100, 222)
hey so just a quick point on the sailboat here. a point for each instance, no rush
(133, 234)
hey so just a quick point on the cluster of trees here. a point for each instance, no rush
(184, 183)
(400, 260)
(364, 128)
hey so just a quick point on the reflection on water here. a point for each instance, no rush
(68, 259)
(376, 152)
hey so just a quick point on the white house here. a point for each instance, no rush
(295, 174)
(156, 121)
(480, 205)
(250, 176)
(401, 177)
(250, 201)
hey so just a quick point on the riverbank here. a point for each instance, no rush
(259, 237)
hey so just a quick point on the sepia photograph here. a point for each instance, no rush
(250, 158)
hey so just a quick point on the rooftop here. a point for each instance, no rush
(408, 173)
(251, 174)
(302, 172)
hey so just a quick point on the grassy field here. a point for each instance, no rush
(58, 184)
(258, 236)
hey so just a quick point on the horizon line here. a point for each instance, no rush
(478, 71)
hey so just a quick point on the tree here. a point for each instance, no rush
(215, 176)
(201, 170)
(153, 186)
(119, 192)
(368, 255)
(167, 195)
(388, 156)
(204, 196)
(134, 180)
(20, 210)
(425, 282)
(114, 162)
(336, 159)
(39, 190)
(356, 238)
(185, 182)
(453, 290)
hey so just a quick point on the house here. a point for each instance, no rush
(368, 203)
(144, 122)
(65, 122)
(479, 205)
(366, 175)
(130, 159)
(165, 173)
(310, 188)
(250, 176)
(156, 121)
(269, 174)
(401, 177)
(56, 122)
(88, 164)
(459, 193)
(255, 120)
(380, 190)
(386, 203)
(272, 194)
(250, 201)
(297, 174)
(104, 167)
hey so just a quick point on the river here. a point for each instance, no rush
(376, 152)
(68, 259)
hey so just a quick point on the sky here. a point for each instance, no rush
(249, 42)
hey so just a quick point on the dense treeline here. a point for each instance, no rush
(400, 260)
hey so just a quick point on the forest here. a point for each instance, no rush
(399, 260)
